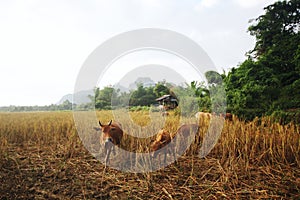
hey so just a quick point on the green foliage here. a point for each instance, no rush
(142, 96)
(161, 89)
(199, 92)
(104, 98)
(211, 97)
(188, 104)
(217, 92)
(110, 98)
(268, 80)
(287, 116)
(139, 108)
(277, 28)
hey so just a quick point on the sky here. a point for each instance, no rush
(43, 44)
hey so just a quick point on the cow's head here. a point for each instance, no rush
(107, 137)
(162, 139)
(107, 131)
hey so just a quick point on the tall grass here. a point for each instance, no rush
(260, 141)
(41, 154)
(55, 130)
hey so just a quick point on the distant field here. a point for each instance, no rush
(41, 156)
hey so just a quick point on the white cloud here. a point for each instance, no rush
(151, 3)
(206, 4)
(252, 3)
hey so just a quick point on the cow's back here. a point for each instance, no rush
(117, 134)
(186, 129)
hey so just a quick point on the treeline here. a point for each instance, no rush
(66, 105)
(111, 98)
(192, 97)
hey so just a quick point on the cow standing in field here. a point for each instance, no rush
(165, 114)
(186, 129)
(228, 116)
(202, 115)
(163, 138)
(182, 136)
(111, 135)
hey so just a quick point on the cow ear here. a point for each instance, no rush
(110, 123)
(100, 123)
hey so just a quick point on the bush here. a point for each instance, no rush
(139, 108)
(285, 117)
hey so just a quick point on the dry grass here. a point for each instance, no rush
(42, 157)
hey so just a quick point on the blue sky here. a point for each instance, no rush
(43, 44)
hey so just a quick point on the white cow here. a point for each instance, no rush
(199, 115)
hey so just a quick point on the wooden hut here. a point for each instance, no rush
(167, 101)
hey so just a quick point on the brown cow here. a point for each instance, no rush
(186, 129)
(163, 138)
(165, 113)
(182, 136)
(227, 116)
(111, 135)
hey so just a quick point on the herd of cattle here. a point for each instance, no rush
(112, 135)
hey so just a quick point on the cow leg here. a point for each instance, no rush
(114, 150)
(165, 156)
(107, 157)
(108, 147)
(159, 158)
(174, 156)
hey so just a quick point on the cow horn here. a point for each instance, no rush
(110, 123)
(100, 123)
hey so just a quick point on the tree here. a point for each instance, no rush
(103, 98)
(201, 92)
(161, 89)
(66, 105)
(278, 39)
(269, 79)
(278, 26)
(142, 96)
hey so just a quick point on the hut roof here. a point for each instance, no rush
(166, 96)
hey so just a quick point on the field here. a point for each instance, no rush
(42, 157)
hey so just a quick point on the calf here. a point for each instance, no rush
(163, 138)
(182, 136)
(111, 135)
(186, 129)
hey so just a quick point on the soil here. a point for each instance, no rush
(44, 172)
